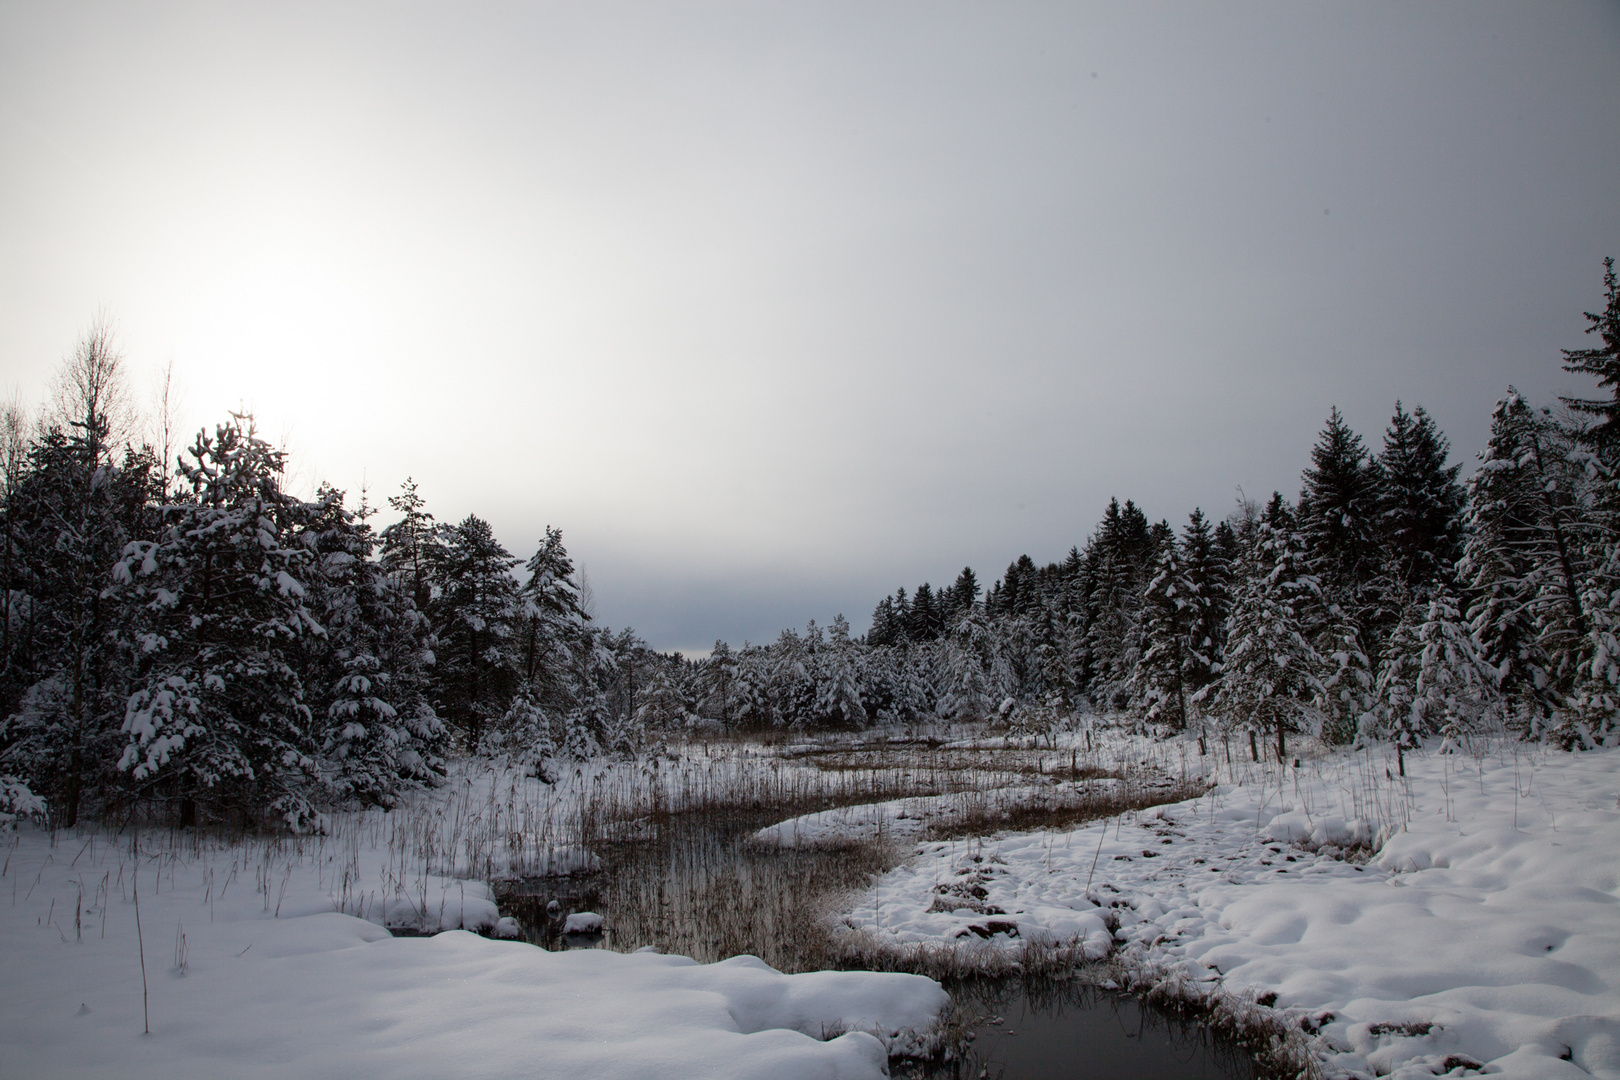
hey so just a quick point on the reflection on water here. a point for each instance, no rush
(1066, 1031)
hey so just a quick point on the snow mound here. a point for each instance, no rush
(1484, 929)
(583, 922)
(322, 994)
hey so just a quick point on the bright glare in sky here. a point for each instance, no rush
(772, 309)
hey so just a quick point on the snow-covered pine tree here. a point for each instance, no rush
(965, 695)
(367, 676)
(792, 686)
(1456, 690)
(1268, 679)
(1115, 569)
(666, 704)
(838, 693)
(1602, 361)
(1209, 579)
(1348, 679)
(1339, 512)
(927, 623)
(1432, 679)
(591, 725)
(71, 504)
(478, 618)
(528, 734)
(1420, 503)
(218, 716)
(411, 546)
(553, 625)
(716, 680)
(1522, 560)
(1159, 684)
(1395, 690)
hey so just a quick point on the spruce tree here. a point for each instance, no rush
(1420, 502)
(1602, 361)
(1522, 563)
(1339, 513)
(1160, 684)
(478, 616)
(553, 624)
(367, 676)
(219, 715)
(1268, 679)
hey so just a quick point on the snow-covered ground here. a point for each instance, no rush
(909, 818)
(1484, 931)
(266, 959)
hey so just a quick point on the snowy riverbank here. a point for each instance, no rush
(252, 969)
(1485, 929)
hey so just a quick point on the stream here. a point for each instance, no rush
(699, 889)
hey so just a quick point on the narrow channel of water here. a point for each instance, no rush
(1069, 1031)
(700, 889)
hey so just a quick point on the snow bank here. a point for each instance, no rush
(236, 990)
(909, 818)
(1486, 929)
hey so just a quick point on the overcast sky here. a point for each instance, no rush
(774, 307)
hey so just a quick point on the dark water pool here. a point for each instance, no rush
(1068, 1031)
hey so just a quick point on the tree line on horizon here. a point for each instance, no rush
(192, 640)
(1388, 601)
(205, 643)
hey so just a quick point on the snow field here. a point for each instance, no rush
(252, 969)
(1484, 932)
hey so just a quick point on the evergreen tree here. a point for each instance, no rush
(367, 675)
(219, 714)
(553, 624)
(1268, 680)
(1209, 581)
(1602, 361)
(1522, 562)
(965, 694)
(1420, 500)
(965, 593)
(1160, 683)
(478, 615)
(1348, 690)
(838, 695)
(411, 546)
(1339, 512)
(926, 623)
(716, 677)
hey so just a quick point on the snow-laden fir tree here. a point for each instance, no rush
(1420, 503)
(218, 715)
(478, 617)
(1602, 361)
(1523, 560)
(1339, 513)
(1268, 679)
(965, 691)
(1348, 679)
(368, 674)
(838, 681)
(553, 623)
(1159, 686)
(411, 546)
(716, 682)
(71, 504)
(1432, 680)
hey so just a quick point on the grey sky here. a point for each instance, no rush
(772, 308)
